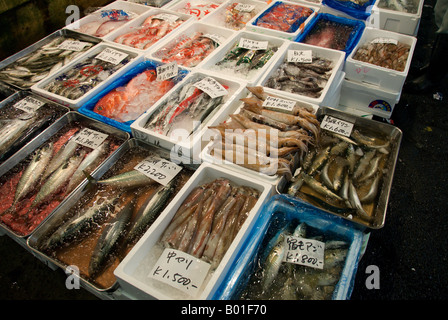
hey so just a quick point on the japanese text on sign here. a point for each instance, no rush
(90, 138)
(158, 169)
(72, 45)
(305, 252)
(167, 17)
(301, 56)
(253, 44)
(180, 270)
(337, 126)
(278, 103)
(385, 41)
(29, 104)
(167, 71)
(244, 7)
(211, 87)
(112, 56)
(215, 37)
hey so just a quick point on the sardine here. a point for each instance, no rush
(273, 262)
(373, 190)
(12, 131)
(319, 160)
(373, 168)
(320, 188)
(363, 163)
(356, 203)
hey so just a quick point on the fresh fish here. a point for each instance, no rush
(356, 203)
(274, 261)
(320, 188)
(363, 164)
(284, 17)
(12, 131)
(373, 190)
(372, 169)
(329, 34)
(64, 153)
(129, 179)
(319, 160)
(370, 142)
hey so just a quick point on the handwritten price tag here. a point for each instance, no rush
(337, 126)
(305, 252)
(112, 56)
(167, 71)
(180, 270)
(215, 37)
(253, 44)
(301, 56)
(211, 87)
(244, 7)
(385, 41)
(167, 17)
(158, 169)
(90, 138)
(278, 103)
(72, 45)
(29, 104)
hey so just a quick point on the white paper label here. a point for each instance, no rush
(244, 7)
(180, 270)
(112, 56)
(279, 103)
(167, 17)
(90, 138)
(305, 252)
(385, 40)
(72, 45)
(215, 37)
(337, 126)
(253, 44)
(301, 56)
(29, 104)
(158, 169)
(167, 71)
(211, 87)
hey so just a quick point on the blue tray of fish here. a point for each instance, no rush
(113, 94)
(261, 271)
(359, 9)
(334, 32)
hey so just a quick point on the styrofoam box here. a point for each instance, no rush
(310, 2)
(250, 26)
(75, 104)
(127, 6)
(397, 21)
(136, 23)
(218, 16)
(252, 77)
(197, 14)
(332, 97)
(386, 78)
(335, 55)
(186, 146)
(171, 40)
(153, 3)
(368, 98)
(132, 272)
(355, 112)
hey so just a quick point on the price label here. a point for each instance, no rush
(167, 71)
(301, 56)
(180, 270)
(253, 44)
(29, 104)
(167, 17)
(215, 37)
(305, 252)
(211, 87)
(278, 103)
(337, 126)
(244, 7)
(112, 56)
(385, 40)
(73, 45)
(90, 138)
(158, 169)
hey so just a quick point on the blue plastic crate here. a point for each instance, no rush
(354, 10)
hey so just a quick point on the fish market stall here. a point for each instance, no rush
(22, 117)
(34, 181)
(145, 273)
(100, 223)
(130, 95)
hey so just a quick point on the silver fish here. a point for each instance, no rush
(355, 202)
(64, 153)
(373, 167)
(273, 262)
(12, 131)
(320, 188)
(373, 190)
(363, 163)
(129, 179)
(319, 160)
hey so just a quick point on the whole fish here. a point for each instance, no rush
(320, 188)
(128, 179)
(356, 203)
(274, 260)
(373, 190)
(64, 153)
(12, 131)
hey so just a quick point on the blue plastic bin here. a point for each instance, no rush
(354, 10)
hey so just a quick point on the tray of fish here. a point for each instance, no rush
(106, 216)
(295, 252)
(235, 15)
(329, 31)
(178, 122)
(198, 9)
(381, 58)
(358, 9)
(349, 173)
(147, 29)
(192, 46)
(214, 199)
(263, 135)
(22, 117)
(77, 82)
(108, 18)
(304, 72)
(283, 19)
(152, 3)
(127, 97)
(34, 63)
(245, 57)
(34, 181)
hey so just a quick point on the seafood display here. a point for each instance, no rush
(329, 34)
(308, 79)
(408, 6)
(283, 17)
(105, 22)
(154, 28)
(277, 278)
(197, 8)
(236, 15)
(127, 103)
(265, 139)
(35, 186)
(385, 53)
(209, 218)
(44, 61)
(75, 82)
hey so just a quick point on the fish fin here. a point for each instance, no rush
(91, 180)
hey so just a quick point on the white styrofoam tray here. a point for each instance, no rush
(332, 98)
(171, 41)
(183, 145)
(132, 272)
(388, 79)
(75, 104)
(251, 26)
(187, 6)
(334, 55)
(252, 77)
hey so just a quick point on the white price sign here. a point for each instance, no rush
(385, 41)
(301, 56)
(112, 56)
(253, 44)
(244, 7)
(158, 169)
(211, 87)
(90, 138)
(305, 252)
(167, 71)
(215, 37)
(278, 103)
(180, 270)
(337, 125)
(72, 45)
(167, 17)
(29, 104)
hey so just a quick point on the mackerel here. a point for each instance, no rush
(129, 179)
(64, 153)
